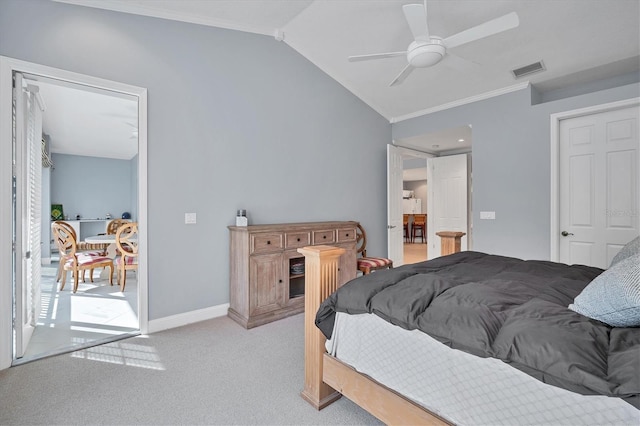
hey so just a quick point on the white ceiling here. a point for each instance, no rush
(88, 121)
(578, 41)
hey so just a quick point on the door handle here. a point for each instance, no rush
(565, 233)
(390, 226)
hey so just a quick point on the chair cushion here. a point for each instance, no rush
(85, 259)
(128, 260)
(91, 253)
(373, 262)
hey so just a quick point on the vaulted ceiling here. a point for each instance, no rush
(578, 41)
(584, 39)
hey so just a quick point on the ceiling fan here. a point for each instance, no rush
(427, 50)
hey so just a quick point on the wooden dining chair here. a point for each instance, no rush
(405, 226)
(127, 246)
(365, 263)
(113, 225)
(73, 260)
(419, 227)
(81, 247)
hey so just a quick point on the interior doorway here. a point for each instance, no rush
(415, 199)
(90, 316)
(418, 194)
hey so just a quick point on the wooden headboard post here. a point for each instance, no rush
(321, 279)
(450, 241)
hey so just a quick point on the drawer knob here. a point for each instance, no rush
(280, 281)
(268, 242)
(298, 239)
(347, 235)
(325, 237)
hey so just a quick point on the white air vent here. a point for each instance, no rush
(528, 69)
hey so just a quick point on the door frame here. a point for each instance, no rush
(7, 67)
(415, 153)
(555, 120)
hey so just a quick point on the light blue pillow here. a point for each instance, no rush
(632, 247)
(613, 297)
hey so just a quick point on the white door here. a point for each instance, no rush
(28, 210)
(599, 183)
(395, 246)
(448, 207)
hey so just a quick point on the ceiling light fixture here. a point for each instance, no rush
(460, 140)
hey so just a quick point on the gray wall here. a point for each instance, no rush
(91, 186)
(235, 120)
(511, 164)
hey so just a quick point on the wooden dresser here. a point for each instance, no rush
(267, 272)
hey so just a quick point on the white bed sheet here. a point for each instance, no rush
(460, 387)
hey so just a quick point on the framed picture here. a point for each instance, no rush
(56, 212)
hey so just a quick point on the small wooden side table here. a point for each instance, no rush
(450, 241)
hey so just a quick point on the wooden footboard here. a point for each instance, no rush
(326, 378)
(321, 279)
(382, 402)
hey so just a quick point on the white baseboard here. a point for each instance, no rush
(179, 320)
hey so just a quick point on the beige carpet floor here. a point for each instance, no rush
(209, 373)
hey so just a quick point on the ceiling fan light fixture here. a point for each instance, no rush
(423, 54)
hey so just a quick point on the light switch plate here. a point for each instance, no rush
(189, 218)
(487, 215)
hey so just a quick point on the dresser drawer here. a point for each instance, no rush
(297, 239)
(264, 243)
(324, 237)
(345, 235)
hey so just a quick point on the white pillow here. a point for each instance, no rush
(613, 297)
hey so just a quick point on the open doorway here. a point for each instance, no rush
(414, 208)
(90, 142)
(93, 181)
(418, 196)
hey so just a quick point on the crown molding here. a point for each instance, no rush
(460, 102)
(145, 10)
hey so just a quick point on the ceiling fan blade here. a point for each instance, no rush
(487, 29)
(461, 64)
(376, 56)
(416, 15)
(402, 76)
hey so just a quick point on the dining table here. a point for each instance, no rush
(105, 239)
(112, 250)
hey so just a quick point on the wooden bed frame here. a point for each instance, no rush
(326, 378)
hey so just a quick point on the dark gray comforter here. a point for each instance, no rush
(506, 308)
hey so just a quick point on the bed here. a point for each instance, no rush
(473, 338)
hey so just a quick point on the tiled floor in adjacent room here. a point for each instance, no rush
(96, 313)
